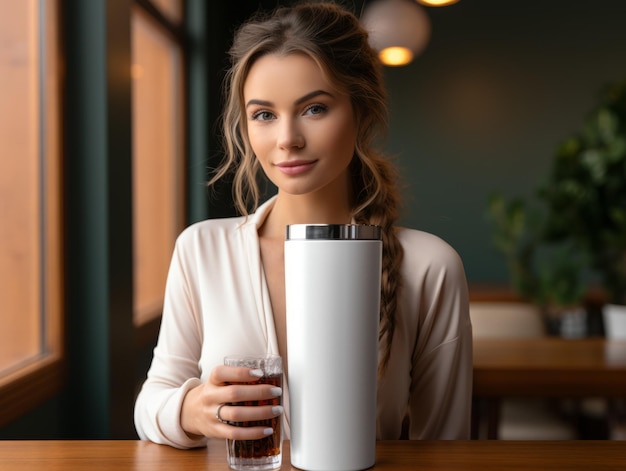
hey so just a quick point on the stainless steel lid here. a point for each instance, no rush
(333, 232)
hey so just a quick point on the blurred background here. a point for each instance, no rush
(108, 113)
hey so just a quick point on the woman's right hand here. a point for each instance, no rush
(227, 385)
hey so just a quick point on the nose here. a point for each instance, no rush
(290, 136)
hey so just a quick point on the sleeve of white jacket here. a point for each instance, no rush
(174, 369)
(441, 386)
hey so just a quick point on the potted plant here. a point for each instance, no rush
(585, 195)
(543, 272)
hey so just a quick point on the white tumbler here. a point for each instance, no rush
(332, 282)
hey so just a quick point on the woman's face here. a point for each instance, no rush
(301, 129)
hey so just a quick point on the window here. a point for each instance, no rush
(158, 149)
(30, 206)
(171, 9)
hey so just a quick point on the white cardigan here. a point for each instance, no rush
(217, 303)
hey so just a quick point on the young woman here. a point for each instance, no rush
(305, 102)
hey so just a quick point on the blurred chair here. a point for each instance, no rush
(506, 319)
(519, 418)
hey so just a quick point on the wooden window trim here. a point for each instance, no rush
(31, 386)
(176, 31)
(40, 378)
(147, 321)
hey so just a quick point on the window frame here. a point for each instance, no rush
(63, 368)
(147, 331)
(39, 378)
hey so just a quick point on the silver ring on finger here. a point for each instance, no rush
(217, 414)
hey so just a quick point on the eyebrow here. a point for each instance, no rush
(299, 101)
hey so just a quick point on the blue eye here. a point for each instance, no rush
(316, 109)
(262, 116)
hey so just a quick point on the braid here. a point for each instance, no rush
(376, 180)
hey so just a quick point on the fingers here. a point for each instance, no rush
(238, 394)
(234, 374)
(241, 385)
(239, 414)
(235, 419)
(249, 409)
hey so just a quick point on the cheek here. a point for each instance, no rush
(261, 147)
(342, 139)
(258, 142)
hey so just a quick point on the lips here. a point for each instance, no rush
(296, 167)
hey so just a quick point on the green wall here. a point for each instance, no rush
(484, 107)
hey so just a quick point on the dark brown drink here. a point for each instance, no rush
(263, 454)
(262, 447)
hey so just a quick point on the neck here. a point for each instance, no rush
(304, 209)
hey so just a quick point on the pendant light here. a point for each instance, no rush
(437, 3)
(398, 29)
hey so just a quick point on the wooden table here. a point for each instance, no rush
(548, 367)
(483, 455)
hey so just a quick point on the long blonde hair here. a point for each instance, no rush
(334, 38)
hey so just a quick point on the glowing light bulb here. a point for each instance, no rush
(437, 3)
(398, 29)
(395, 56)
